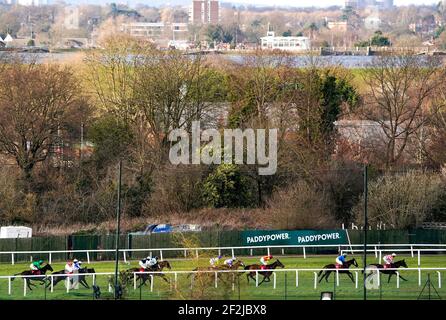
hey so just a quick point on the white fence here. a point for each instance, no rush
(296, 272)
(378, 249)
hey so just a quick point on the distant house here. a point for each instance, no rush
(272, 42)
(373, 22)
(339, 26)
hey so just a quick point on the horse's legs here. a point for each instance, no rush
(351, 276)
(390, 275)
(402, 278)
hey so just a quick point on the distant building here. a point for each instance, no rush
(151, 30)
(272, 42)
(28, 3)
(71, 18)
(362, 4)
(373, 22)
(204, 12)
(157, 30)
(339, 26)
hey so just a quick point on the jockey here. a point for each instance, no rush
(229, 262)
(215, 261)
(264, 261)
(36, 266)
(388, 260)
(153, 262)
(76, 264)
(340, 260)
(69, 267)
(144, 264)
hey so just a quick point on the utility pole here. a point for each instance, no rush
(365, 228)
(118, 222)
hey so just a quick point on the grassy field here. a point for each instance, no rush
(204, 287)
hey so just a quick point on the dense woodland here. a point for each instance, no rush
(64, 129)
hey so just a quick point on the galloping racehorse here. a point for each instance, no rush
(265, 274)
(344, 269)
(41, 275)
(63, 276)
(146, 276)
(396, 265)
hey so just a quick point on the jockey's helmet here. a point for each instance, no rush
(394, 254)
(219, 257)
(75, 260)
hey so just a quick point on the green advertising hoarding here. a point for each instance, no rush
(296, 237)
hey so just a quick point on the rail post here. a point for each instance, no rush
(283, 251)
(268, 251)
(257, 278)
(274, 280)
(439, 279)
(419, 258)
(24, 287)
(315, 280)
(376, 252)
(380, 255)
(88, 257)
(94, 279)
(337, 277)
(419, 277)
(52, 283)
(250, 252)
(185, 253)
(297, 278)
(411, 251)
(219, 251)
(397, 279)
(305, 254)
(356, 279)
(68, 284)
(134, 281)
(379, 278)
(175, 279)
(216, 277)
(9, 285)
(196, 253)
(161, 255)
(12, 259)
(125, 256)
(232, 252)
(151, 283)
(49, 257)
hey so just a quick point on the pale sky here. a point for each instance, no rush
(321, 3)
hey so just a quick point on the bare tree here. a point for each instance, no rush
(400, 90)
(34, 100)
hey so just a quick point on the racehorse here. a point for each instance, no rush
(396, 265)
(40, 275)
(343, 269)
(265, 274)
(63, 276)
(146, 276)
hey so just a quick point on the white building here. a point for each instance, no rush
(373, 22)
(144, 29)
(29, 3)
(71, 18)
(272, 42)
